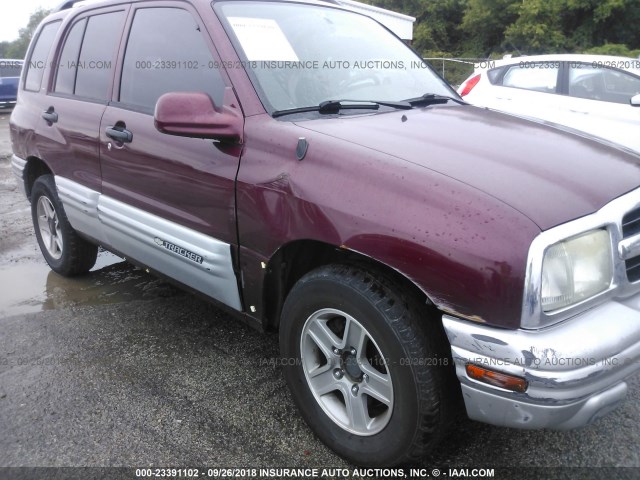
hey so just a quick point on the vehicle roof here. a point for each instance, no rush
(622, 63)
(70, 4)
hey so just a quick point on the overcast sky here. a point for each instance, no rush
(15, 15)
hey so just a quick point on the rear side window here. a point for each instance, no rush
(539, 77)
(601, 83)
(494, 74)
(166, 52)
(68, 64)
(39, 54)
(95, 63)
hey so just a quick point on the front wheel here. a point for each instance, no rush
(368, 371)
(64, 250)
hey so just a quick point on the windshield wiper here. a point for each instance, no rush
(432, 99)
(334, 106)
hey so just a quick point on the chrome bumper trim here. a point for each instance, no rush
(629, 247)
(575, 370)
(609, 217)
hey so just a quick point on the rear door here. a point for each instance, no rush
(527, 89)
(77, 96)
(597, 100)
(26, 119)
(169, 201)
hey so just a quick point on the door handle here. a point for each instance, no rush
(119, 134)
(50, 116)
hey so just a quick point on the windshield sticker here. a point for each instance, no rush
(262, 39)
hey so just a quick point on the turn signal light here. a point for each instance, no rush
(497, 379)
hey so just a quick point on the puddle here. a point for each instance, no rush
(29, 288)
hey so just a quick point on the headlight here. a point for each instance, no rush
(576, 269)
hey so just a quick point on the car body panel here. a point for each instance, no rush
(453, 198)
(191, 182)
(435, 229)
(75, 135)
(504, 201)
(614, 122)
(549, 187)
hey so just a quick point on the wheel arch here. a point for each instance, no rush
(35, 168)
(295, 259)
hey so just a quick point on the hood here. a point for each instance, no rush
(547, 173)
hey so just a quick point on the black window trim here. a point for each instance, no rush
(63, 43)
(563, 79)
(85, 15)
(131, 107)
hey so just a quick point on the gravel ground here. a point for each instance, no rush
(119, 369)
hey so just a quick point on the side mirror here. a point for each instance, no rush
(635, 101)
(194, 114)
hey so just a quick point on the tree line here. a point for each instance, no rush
(17, 49)
(493, 28)
(490, 28)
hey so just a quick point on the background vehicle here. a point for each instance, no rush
(265, 156)
(9, 78)
(596, 94)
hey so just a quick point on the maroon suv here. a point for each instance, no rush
(296, 162)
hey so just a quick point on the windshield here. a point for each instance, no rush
(302, 55)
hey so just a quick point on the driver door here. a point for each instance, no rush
(169, 201)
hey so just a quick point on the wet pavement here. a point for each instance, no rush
(118, 368)
(33, 287)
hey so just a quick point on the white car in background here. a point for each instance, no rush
(593, 93)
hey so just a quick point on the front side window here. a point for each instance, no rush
(39, 54)
(166, 52)
(300, 55)
(539, 77)
(600, 83)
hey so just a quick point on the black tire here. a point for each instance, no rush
(65, 251)
(425, 391)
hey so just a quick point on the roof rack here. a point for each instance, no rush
(66, 5)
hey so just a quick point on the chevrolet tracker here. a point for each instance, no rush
(300, 165)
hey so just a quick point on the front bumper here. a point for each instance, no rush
(576, 370)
